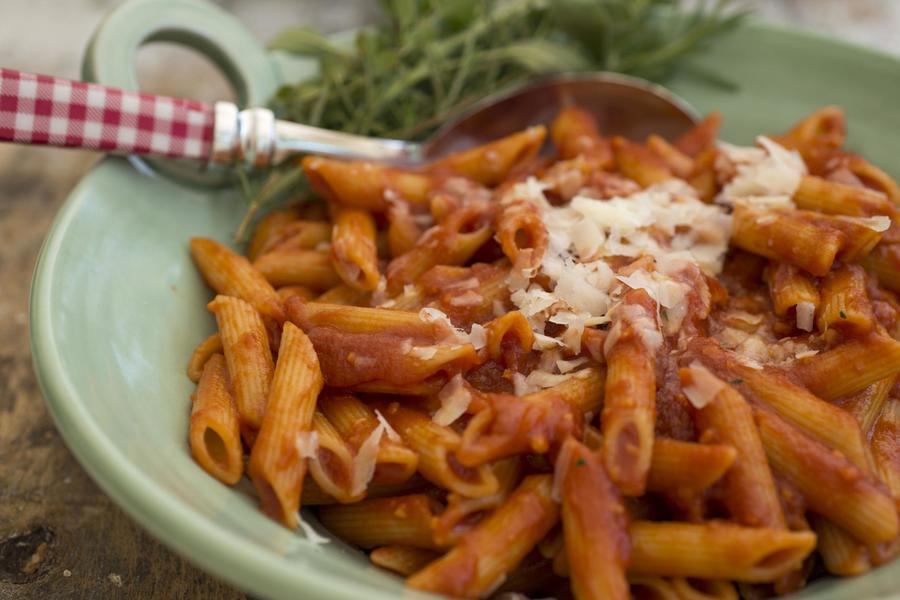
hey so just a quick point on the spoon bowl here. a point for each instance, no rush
(623, 105)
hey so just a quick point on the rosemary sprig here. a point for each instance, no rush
(431, 59)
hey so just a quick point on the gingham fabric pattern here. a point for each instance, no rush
(37, 109)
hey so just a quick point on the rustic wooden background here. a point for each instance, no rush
(60, 537)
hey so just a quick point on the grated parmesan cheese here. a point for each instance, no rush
(307, 444)
(391, 433)
(363, 467)
(312, 536)
(805, 313)
(704, 386)
(769, 176)
(455, 399)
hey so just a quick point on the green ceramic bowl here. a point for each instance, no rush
(116, 305)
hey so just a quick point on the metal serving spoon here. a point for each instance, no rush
(37, 109)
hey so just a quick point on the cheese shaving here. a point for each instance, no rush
(312, 536)
(805, 313)
(478, 336)
(391, 433)
(768, 177)
(364, 462)
(455, 399)
(307, 444)
(704, 386)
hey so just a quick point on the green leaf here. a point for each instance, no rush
(307, 42)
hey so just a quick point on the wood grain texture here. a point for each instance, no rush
(60, 536)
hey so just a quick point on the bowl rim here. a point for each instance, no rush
(193, 535)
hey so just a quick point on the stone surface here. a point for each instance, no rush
(60, 537)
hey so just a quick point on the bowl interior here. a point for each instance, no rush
(117, 308)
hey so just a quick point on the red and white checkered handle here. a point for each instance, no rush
(38, 109)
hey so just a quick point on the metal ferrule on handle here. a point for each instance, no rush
(254, 137)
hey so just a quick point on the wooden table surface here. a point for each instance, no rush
(60, 536)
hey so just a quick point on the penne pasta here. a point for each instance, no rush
(231, 274)
(596, 536)
(207, 348)
(617, 369)
(353, 253)
(246, 347)
(276, 465)
(496, 545)
(748, 487)
(309, 268)
(831, 485)
(215, 436)
(438, 449)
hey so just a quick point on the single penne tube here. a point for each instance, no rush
(816, 193)
(230, 274)
(362, 184)
(401, 520)
(831, 485)
(681, 165)
(331, 465)
(437, 448)
(403, 560)
(574, 133)
(489, 164)
(521, 233)
(860, 362)
(297, 235)
(594, 525)
(884, 263)
(246, 347)
(310, 268)
(873, 177)
(773, 388)
(345, 295)
(267, 228)
(866, 405)
(639, 163)
(427, 388)
(289, 291)
(359, 319)
(276, 466)
(701, 137)
(783, 235)
(861, 234)
(355, 421)
(749, 490)
(583, 391)
(496, 545)
(647, 587)
(845, 303)
(353, 252)
(513, 328)
(884, 445)
(403, 229)
(825, 127)
(202, 353)
(687, 467)
(703, 177)
(703, 589)
(629, 414)
(679, 468)
(215, 435)
(716, 550)
(841, 553)
(792, 288)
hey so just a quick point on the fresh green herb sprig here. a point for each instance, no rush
(429, 60)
